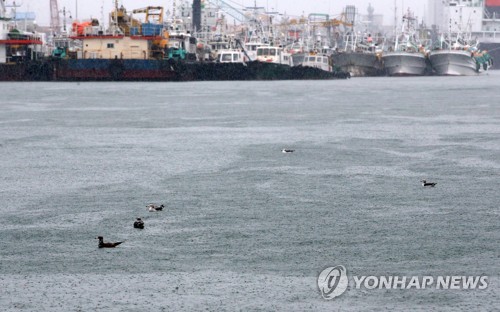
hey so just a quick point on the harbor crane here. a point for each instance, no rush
(54, 16)
(230, 10)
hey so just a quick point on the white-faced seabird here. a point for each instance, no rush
(138, 224)
(286, 150)
(425, 183)
(153, 207)
(103, 244)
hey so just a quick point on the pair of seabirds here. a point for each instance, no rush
(138, 224)
(424, 182)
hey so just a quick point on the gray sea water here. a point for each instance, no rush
(247, 227)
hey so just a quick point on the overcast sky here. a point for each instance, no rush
(92, 8)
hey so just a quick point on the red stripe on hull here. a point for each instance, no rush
(96, 37)
(88, 74)
(20, 41)
(94, 74)
(148, 74)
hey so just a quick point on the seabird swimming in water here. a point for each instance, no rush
(425, 183)
(138, 224)
(285, 150)
(103, 244)
(153, 207)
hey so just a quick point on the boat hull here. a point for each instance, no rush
(453, 63)
(359, 64)
(156, 70)
(26, 71)
(405, 64)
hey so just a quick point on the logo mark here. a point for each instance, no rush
(332, 282)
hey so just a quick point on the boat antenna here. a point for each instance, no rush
(64, 11)
(395, 17)
(174, 4)
(102, 16)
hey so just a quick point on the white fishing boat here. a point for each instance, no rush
(407, 57)
(454, 62)
(456, 53)
(457, 22)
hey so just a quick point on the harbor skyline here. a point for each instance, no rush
(84, 10)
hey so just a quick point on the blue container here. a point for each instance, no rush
(134, 31)
(149, 29)
(157, 29)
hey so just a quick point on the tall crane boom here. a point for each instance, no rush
(54, 16)
(154, 14)
(230, 10)
(2, 9)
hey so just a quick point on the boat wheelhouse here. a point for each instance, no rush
(275, 55)
(230, 56)
(321, 61)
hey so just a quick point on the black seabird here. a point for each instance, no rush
(103, 244)
(285, 150)
(138, 224)
(425, 183)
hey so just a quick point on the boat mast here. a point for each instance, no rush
(174, 20)
(450, 42)
(395, 18)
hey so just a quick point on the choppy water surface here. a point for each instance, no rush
(246, 226)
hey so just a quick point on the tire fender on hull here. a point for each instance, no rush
(116, 70)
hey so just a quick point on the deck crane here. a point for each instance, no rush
(154, 14)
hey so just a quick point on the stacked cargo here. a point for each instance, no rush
(149, 29)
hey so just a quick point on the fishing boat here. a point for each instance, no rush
(360, 57)
(21, 51)
(407, 56)
(458, 21)
(459, 59)
(457, 53)
(357, 51)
